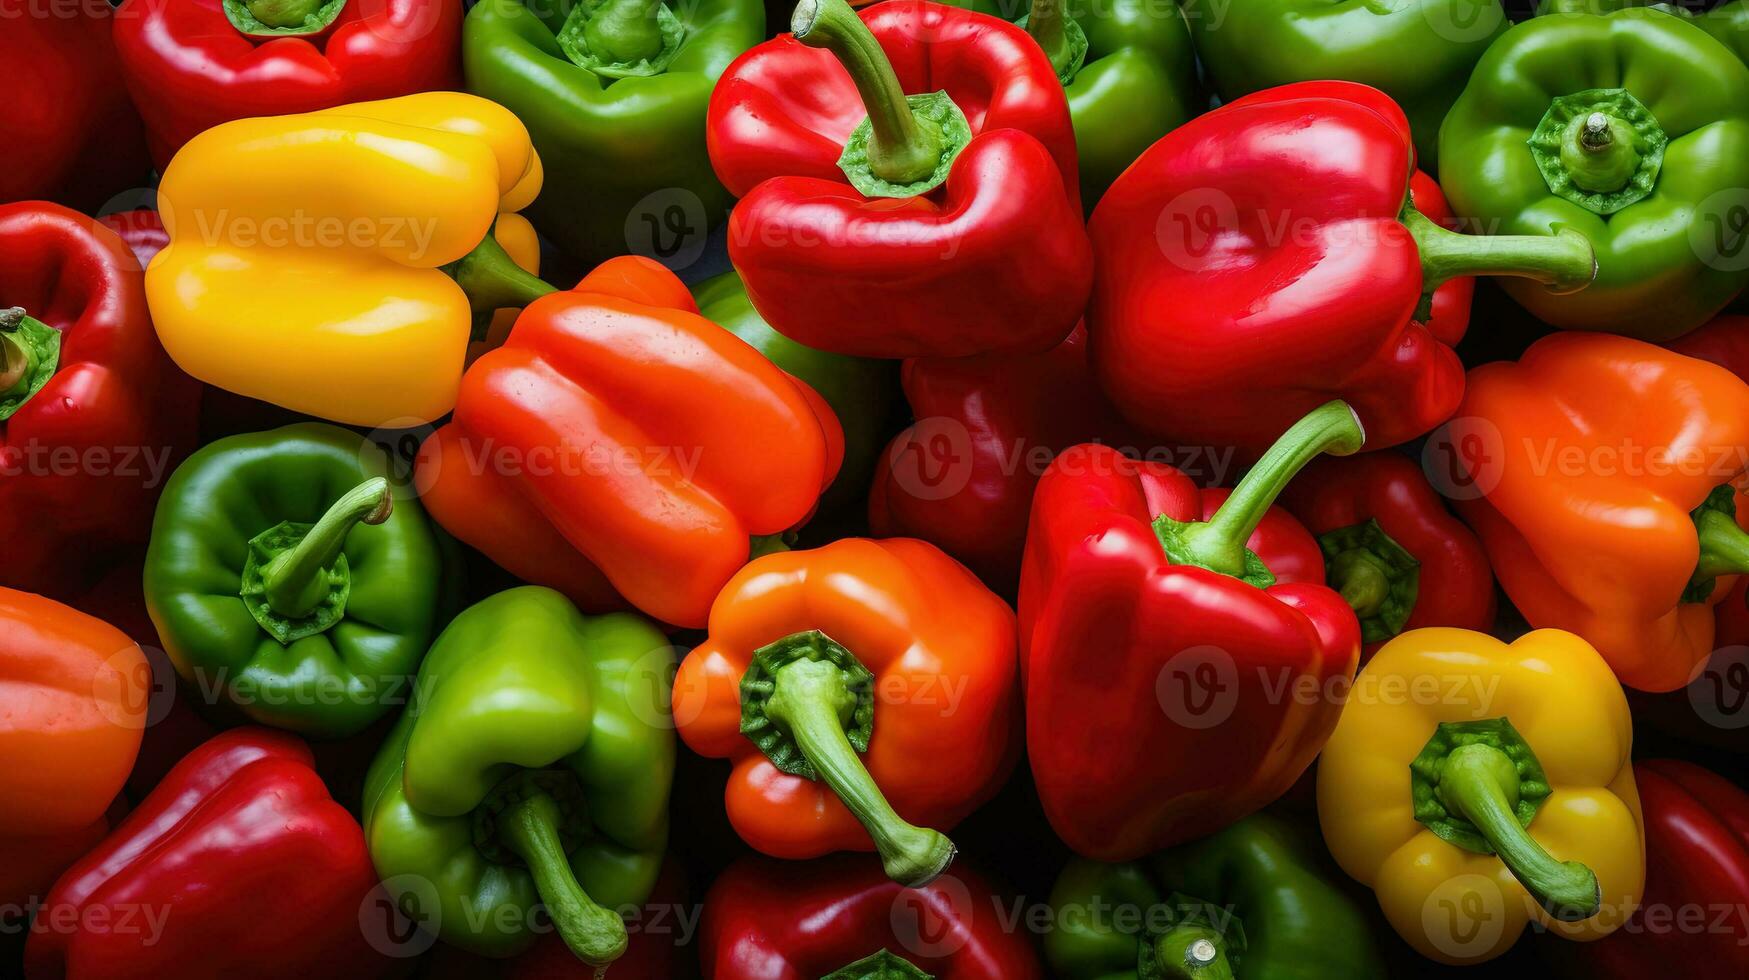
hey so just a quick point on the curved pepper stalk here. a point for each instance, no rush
(1478, 786)
(529, 821)
(296, 580)
(808, 703)
(907, 145)
(1218, 544)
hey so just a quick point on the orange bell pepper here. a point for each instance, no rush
(857, 687)
(75, 707)
(1594, 470)
(620, 442)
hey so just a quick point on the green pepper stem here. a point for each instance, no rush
(14, 356)
(530, 828)
(1724, 547)
(1480, 783)
(624, 31)
(493, 281)
(1361, 579)
(296, 581)
(283, 13)
(1187, 951)
(1598, 153)
(1563, 261)
(1045, 23)
(1219, 544)
(810, 699)
(900, 150)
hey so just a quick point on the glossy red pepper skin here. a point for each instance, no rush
(1456, 585)
(786, 920)
(81, 461)
(961, 477)
(1279, 214)
(72, 135)
(1697, 883)
(189, 68)
(249, 866)
(994, 260)
(1165, 701)
(143, 231)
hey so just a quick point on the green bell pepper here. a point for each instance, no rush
(1250, 901)
(1128, 69)
(289, 576)
(1419, 52)
(613, 93)
(1729, 22)
(863, 392)
(531, 768)
(1631, 128)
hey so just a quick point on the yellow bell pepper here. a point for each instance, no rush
(1475, 785)
(307, 255)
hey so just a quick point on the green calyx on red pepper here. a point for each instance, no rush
(622, 38)
(1477, 785)
(1600, 149)
(882, 965)
(1061, 37)
(282, 18)
(808, 703)
(30, 350)
(1375, 575)
(1724, 546)
(1218, 544)
(493, 281)
(296, 578)
(907, 145)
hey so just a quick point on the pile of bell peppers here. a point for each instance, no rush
(874, 489)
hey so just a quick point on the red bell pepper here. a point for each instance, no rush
(94, 414)
(72, 136)
(1285, 266)
(1693, 915)
(1181, 649)
(951, 223)
(1391, 547)
(239, 863)
(1725, 342)
(191, 65)
(143, 231)
(620, 441)
(771, 920)
(962, 476)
